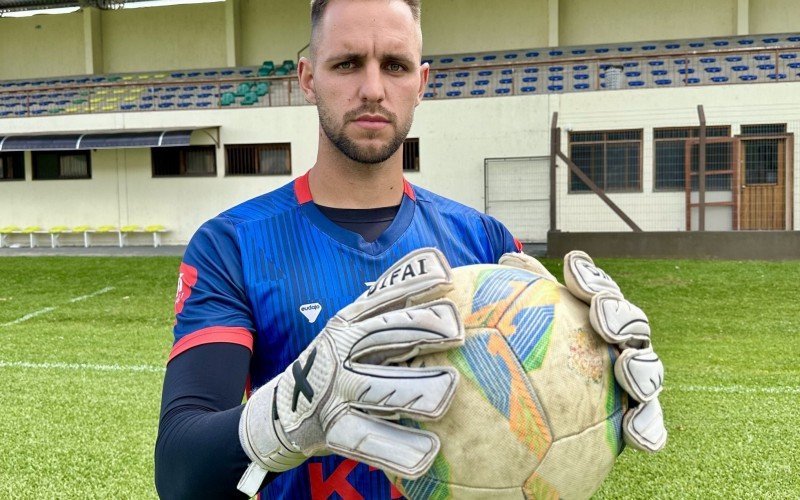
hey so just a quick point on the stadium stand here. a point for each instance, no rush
(673, 63)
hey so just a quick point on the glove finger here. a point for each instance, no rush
(584, 279)
(396, 449)
(402, 334)
(643, 427)
(618, 321)
(524, 261)
(640, 372)
(421, 276)
(396, 391)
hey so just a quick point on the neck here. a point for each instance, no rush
(339, 182)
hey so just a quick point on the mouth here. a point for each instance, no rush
(372, 122)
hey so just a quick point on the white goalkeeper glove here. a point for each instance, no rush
(638, 369)
(338, 395)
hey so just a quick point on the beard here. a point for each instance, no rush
(335, 131)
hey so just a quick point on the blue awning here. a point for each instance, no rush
(96, 140)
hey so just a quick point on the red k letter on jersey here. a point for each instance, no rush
(336, 483)
(186, 280)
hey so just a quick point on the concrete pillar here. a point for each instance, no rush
(742, 17)
(552, 23)
(233, 33)
(92, 41)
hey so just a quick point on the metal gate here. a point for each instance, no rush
(517, 193)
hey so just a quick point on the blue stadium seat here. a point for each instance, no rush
(481, 83)
(748, 78)
(624, 49)
(477, 92)
(462, 74)
(167, 97)
(555, 78)
(673, 46)
(580, 76)
(243, 72)
(793, 39)
(636, 83)
(681, 61)
(440, 76)
(555, 88)
(719, 79)
(127, 107)
(203, 104)
(791, 55)
(708, 60)
(193, 74)
(502, 90)
(531, 79)
(485, 73)
(210, 73)
(721, 43)
(686, 71)
(511, 56)
(531, 70)
(601, 50)
(713, 69)
(532, 54)
(770, 40)
(630, 64)
(776, 76)
(555, 53)
(766, 67)
(649, 47)
(794, 65)
(177, 74)
(746, 41)
(762, 57)
(659, 72)
(507, 72)
(528, 90)
(490, 57)
(555, 69)
(227, 72)
(655, 63)
(429, 95)
(691, 81)
(458, 83)
(733, 58)
(436, 85)
(172, 89)
(580, 67)
(165, 105)
(446, 60)
(695, 45)
(664, 81)
(147, 98)
(454, 93)
(207, 87)
(578, 52)
(204, 95)
(739, 68)
(184, 104)
(468, 59)
(581, 86)
(506, 81)
(633, 74)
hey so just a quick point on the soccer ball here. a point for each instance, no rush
(537, 413)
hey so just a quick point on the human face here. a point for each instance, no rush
(366, 78)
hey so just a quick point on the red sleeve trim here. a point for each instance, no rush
(302, 190)
(211, 335)
(518, 244)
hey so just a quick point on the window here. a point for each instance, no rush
(190, 161)
(49, 165)
(258, 159)
(611, 159)
(12, 166)
(669, 155)
(764, 129)
(411, 155)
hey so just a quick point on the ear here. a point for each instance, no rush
(424, 73)
(305, 73)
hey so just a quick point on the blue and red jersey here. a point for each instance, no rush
(269, 273)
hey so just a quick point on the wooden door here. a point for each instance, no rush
(763, 183)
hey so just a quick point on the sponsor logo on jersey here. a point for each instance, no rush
(187, 277)
(311, 311)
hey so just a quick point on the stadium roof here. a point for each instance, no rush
(95, 140)
(30, 7)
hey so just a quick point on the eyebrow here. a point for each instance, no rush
(357, 56)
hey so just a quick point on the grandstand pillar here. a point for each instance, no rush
(742, 17)
(552, 23)
(233, 33)
(92, 41)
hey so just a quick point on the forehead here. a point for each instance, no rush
(367, 25)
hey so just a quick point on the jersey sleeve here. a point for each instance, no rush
(210, 303)
(500, 237)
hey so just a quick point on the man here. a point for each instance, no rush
(311, 293)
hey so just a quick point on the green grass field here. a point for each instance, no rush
(81, 366)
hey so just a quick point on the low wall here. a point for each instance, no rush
(747, 245)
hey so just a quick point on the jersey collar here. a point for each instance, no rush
(353, 240)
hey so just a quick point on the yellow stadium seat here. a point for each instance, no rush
(55, 231)
(5, 231)
(156, 230)
(31, 232)
(84, 229)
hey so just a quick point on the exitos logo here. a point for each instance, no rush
(186, 280)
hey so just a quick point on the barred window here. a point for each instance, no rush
(12, 166)
(611, 159)
(258, 159)
(411, 155)
(669, 153)
(189, 161)
(50, 165)
(764, 129)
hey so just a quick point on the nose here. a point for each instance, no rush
(372, 85)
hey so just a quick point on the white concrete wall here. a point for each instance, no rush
(41, 46)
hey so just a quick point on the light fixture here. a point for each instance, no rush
(164, 3)
(28, 13)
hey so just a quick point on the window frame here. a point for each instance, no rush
(35, 155)
(182, 159)
(605, 142)
(691, 129)
(407, 160)
(257, 148)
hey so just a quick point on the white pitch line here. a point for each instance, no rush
(738, 389)
(82, 366)
(50, 309)
(29, 316)
(93, 294)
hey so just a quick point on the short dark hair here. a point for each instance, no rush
(318, 9)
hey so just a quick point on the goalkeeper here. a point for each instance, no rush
(305, 295)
